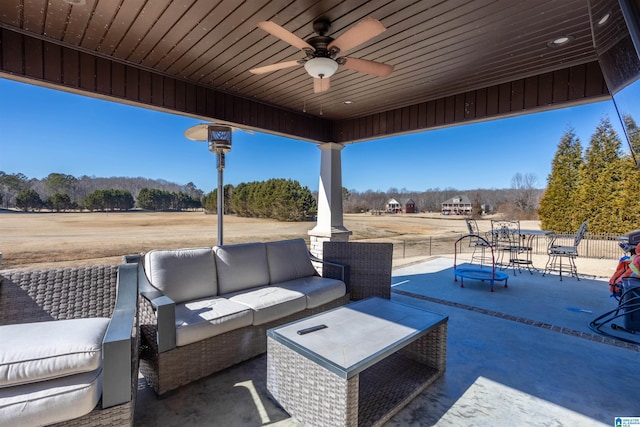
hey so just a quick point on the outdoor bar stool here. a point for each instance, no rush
(478, 243)
(508, 243)
(557, 252)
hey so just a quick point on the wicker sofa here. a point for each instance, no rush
(69, 346)
(205, 309)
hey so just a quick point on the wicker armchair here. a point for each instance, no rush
(368, 267)
(109, 292)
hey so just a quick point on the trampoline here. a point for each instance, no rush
(477, 273)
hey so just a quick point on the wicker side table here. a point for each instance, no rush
(340, 376)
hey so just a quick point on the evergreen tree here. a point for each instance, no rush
(59, 202)
(210, 201)
(624, 209)
(28, 199)
(240, 199)
(600, 180)
(633, 133)
(281, 199)
(11, 185)
(109, 200)
(557, 202)
(58, 183)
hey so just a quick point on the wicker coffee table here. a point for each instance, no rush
(359, 364)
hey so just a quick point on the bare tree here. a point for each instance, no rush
(524, 195)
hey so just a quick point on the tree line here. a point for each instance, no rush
(518, 201)
(61, 193)
(601, 185)
(280, 199)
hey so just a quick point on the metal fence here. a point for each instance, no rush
(593, 245)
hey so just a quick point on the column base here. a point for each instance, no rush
(317, 238)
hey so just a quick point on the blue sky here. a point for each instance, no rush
(45, 131)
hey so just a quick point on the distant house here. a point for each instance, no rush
(457, 205)
(410, 206)
(393, 206)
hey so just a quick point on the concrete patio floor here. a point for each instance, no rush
(520, 356)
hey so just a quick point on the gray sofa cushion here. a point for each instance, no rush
(205, 318)
(270, 302)
(288, 260)
(318, 290)
(183, 274)
(52, 401)
(241, 267)
(33, 352)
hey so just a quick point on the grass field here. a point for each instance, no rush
(31, 240)
(48, 239)
(45, 240)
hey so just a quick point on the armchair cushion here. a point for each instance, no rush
(205, 318)
(241, 267)
(183, 274)
(33, 352)
(52, 401)
(288, 260)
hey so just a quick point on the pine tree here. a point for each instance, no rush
(633, 133)
(626, 204)
(556, 204)
(600, 180)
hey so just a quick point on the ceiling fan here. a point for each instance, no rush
(321, 50)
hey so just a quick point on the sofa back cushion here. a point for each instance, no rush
(182, 274)
(241, 267)
(288, 260)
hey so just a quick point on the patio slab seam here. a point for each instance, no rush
(525, 321)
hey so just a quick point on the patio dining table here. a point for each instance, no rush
(527, 236)
(525, 246)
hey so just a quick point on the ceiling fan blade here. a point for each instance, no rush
(274, 67)
(321, 85)
(284, 35)
(364, 30)
(368, 67)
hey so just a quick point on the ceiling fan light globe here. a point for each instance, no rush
(321, 67)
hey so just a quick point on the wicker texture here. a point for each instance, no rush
(169, 370)
(57, 294)
(369, 266)
(68, 293)
(315, 396)
(308, 392)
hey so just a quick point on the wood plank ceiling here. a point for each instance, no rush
(439, 48)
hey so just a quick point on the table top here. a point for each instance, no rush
(357, 335)
(536, 232)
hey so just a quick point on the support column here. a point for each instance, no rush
(329, 225)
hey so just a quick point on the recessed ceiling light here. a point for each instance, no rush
(604, 19)
(348, 102)
(560, 41)
(76, 2)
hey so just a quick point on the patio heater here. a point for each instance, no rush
(219, 139)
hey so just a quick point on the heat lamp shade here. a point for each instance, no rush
(321, 67)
